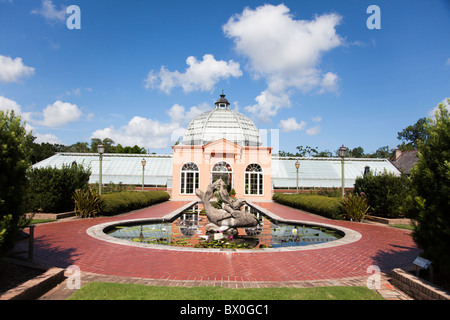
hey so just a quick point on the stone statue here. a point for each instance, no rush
(230, 217)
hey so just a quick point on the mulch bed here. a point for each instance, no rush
(12, 275)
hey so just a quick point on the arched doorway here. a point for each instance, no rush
(224, 171)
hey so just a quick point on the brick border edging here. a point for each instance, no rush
(416, 287)
(34, 288)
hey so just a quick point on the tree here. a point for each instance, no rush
(107, 142)
(282, 153)
(412, 135)
(44, 150)
(14, 150)
(306, 151)
(382, 152)
(79, 147)
(357, 152)
(131, 150)
(430, 180)
(324, 154)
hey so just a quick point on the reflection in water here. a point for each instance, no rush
(189, 230)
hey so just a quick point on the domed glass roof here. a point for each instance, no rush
(222, 122)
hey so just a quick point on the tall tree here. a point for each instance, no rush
(431, 182)
(413, 134)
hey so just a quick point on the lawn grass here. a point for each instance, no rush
(118, 291)
(403, 226)
(37, 221)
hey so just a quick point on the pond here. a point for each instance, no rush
(188, 230)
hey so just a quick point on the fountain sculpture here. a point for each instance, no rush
(230, 217)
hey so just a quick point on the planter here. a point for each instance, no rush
(417, 288)
(389, 221)
(51, 216)
(34, 288)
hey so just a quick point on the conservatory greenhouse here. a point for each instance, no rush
(221, 143)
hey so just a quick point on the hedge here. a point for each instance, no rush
(50, 189)
(385, 192)
(115, 203)
(322, 205)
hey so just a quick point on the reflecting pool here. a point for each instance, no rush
(188, 230)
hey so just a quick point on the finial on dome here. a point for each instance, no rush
(222, 103)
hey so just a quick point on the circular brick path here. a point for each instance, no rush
(66, 243)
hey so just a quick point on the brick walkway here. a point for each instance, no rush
(66, 243)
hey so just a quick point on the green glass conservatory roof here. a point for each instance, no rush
(127, 169)
(324, 172)
(118, 168)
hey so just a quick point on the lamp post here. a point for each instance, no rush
(143, 162)
(342, 154)
(297, 166)
(101, 150)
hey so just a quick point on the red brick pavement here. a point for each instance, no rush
(66, 243)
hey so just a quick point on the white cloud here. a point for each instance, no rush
(291, 125)
(12, 70)
(153, 134)
(329, 83)
(50, 13)
(446, 104)
(59, 114)
(284, 51)
(447, 62)
(140, 131)
(199, 76)
(313, 131)
(48, 138)
(8, 104)
(267, 105)
(316, 119)
(179, 115)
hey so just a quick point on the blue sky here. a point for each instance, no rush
(139, 71)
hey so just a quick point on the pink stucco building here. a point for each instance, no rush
(222, 143)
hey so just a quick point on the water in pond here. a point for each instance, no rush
(188, 230)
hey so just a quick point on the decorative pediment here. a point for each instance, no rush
(223, 148)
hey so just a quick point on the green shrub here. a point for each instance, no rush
(386, 193)
(329, 192)
(87, 203)
(355, 207)
(115, 203)
(321, 205)
(14, 148)
(50, 189)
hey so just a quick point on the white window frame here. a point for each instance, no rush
(184, 178)
(259, 180)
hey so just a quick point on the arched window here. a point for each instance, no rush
(254, 179)
(189, 178)
(224, 171)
